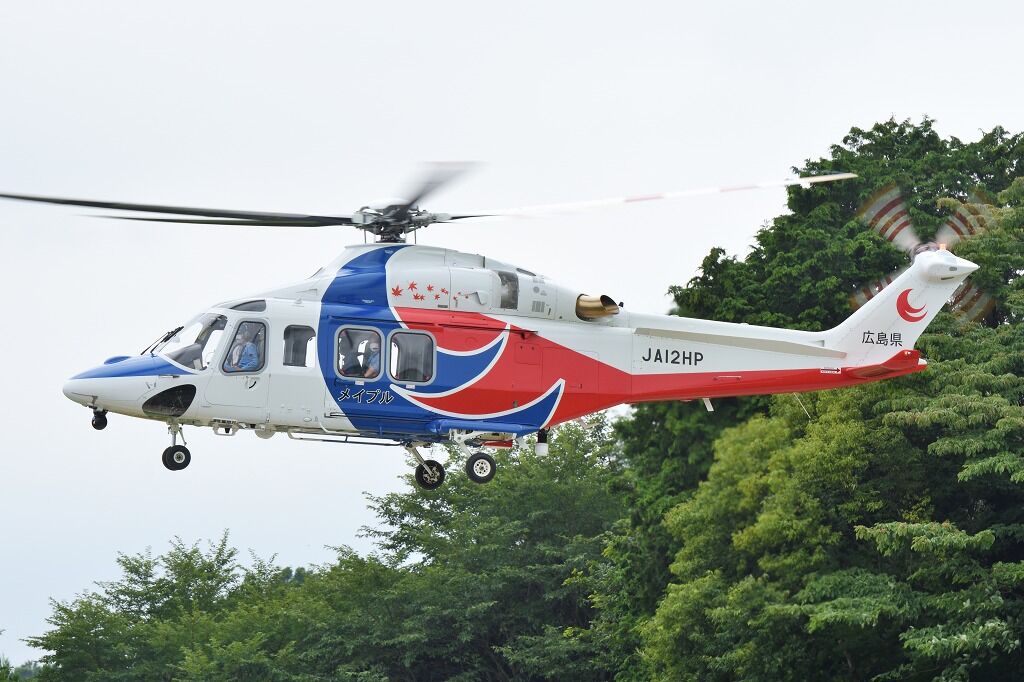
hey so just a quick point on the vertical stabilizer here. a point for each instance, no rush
(894, 319)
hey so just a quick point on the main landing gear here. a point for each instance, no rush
(480, 468)
(429, 473)
(176, 457)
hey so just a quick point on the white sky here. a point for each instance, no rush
(322, 107)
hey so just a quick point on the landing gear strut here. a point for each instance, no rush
(429, 473)
(99, 419)
(176, 457)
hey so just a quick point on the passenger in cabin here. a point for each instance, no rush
(371, 362)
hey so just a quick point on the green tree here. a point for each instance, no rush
(471, 582)
(799, 273)
(881, 539)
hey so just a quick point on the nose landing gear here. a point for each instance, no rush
(176, 457)
(99, 419)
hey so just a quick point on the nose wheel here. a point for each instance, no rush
(99, 419)
(176, 457)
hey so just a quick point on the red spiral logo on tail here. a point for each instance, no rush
(907, 311)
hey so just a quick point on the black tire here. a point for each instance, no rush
(481, 467)
(430, 474)
(99, 421)
(176, 457)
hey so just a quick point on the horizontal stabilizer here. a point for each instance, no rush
(903, 362)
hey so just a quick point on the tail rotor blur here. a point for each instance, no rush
(887, 214)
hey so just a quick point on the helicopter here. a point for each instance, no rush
(409, 345)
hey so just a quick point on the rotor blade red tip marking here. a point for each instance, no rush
(902, 226)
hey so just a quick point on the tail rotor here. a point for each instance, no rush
(886, 213)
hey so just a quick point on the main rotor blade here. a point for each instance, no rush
(218, 221)
(181, 210)
(440, 174)
(571, 207)
(886, 213)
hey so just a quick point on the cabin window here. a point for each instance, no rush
(412, 357)
(359, 353)
(509, 289)
(195, 345)
(299, 346)
(248, 351)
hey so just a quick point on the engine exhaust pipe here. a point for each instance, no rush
(595, 307)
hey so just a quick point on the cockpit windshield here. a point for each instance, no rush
(196, 343)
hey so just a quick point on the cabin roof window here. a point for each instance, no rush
(251, 306)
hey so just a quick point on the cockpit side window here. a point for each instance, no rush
(509, 289)
(359, 352)
(248, 349)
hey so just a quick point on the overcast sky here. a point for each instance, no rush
(324, 106)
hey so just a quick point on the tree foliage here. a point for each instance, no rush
(878, 535)
(799, 274)
(470, 583)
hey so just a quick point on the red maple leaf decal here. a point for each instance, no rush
(430, 287)
(412, 286)
(437, 297)
(396, 291)
(418, 297)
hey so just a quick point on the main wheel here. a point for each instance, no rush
(99, 421)
(176, 457)
(480, 467)
(430, 474)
